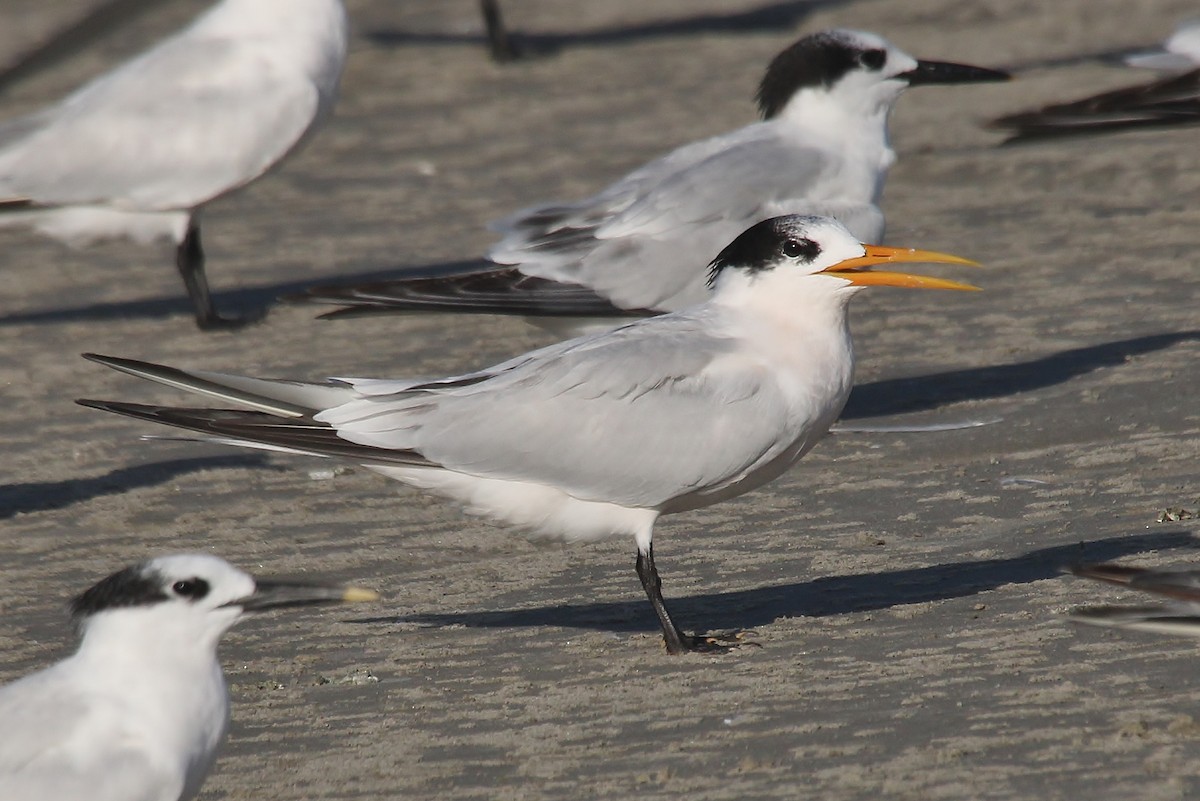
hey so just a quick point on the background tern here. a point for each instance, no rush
(139, 710)
(1180, 615)
(598, 436)
(1173, 99)
(640, 245)
(137, 152)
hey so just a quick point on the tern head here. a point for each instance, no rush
(196, 596)
(816, 256)
(859, 72)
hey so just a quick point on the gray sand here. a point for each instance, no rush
(904, 588)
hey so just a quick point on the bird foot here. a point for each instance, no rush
(217, 322)
(715, 643)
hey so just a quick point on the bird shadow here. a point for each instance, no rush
(919, 393)
(822, 597)
(772, 17)
(44, 496)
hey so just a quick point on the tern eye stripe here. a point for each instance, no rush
(801, 248)
(873, 59)
(194, 589)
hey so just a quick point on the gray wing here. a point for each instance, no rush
(41, 756)
(646, 242)
(638, 416)
(180, 125)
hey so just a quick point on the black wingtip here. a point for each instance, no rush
(116, 407)
(1113, 574)
(115, 362)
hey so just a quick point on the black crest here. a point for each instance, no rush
(133, 586)
(817, 60)
(762, 245)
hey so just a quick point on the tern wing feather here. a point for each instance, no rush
(1172, 100)
(494, 291)
(175, 127)
(645, 242)
(637, 417)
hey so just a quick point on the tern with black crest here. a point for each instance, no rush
(139, 710)
(640, 245)
(598, 436)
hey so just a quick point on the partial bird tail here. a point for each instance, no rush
(1174, 100)
(499, 291)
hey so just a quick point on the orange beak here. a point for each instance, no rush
(858, 271)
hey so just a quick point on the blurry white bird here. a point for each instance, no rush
(598, 436)
(640, 245)
(1173, 99)
(138, 151)
(1180, 615)
(139, 710)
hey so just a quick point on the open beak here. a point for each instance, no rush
(858, 270)
(933, 72)
(275, 594)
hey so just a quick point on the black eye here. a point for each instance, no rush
(873, 59)
(195, 588)
(796, 248)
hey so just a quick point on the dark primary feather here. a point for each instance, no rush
(1183, 585)
(306, 435)
(1174, 100)
(501, 291)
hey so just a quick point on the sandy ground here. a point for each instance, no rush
(905, 588)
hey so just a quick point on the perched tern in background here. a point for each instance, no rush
(1173, 99)
(640, 245)
(1180, 615)
(598, 436)
(137, 152)
(139, 710)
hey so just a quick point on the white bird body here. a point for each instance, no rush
(160, 707)
(137, 151)
(138, 712)
(596, 436)
(821, 149)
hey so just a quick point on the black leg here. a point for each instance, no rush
(498, 40)
(189, 259)
(676, 641)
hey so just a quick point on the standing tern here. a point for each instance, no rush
(639, 245)
(139, 710)
(138, 152)
(1173, 99)
(598, 436)
(1180, 615)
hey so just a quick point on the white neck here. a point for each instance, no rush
(854, 125)
(800, 326)
(314, 31)
(166, 679)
